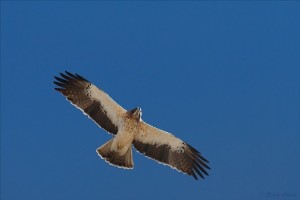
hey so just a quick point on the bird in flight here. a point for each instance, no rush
(129, 129)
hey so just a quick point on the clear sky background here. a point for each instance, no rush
(222, 76)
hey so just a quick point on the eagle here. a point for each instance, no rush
(129, 130)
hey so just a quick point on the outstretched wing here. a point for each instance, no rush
(169, 150)
(91, 100)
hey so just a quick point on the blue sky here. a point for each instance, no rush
(222, 76)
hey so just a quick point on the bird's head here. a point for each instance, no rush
(136, 113)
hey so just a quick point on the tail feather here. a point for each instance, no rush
(113, 157)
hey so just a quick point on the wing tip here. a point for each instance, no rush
(58, 89)
(194, 176)
(68, 79)
(199, 165)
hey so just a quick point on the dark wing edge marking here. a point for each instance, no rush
(73, 87)
(189, 161)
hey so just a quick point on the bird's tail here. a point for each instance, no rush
(113, 157)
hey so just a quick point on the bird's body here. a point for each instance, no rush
(129, 129)
(126, 133)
